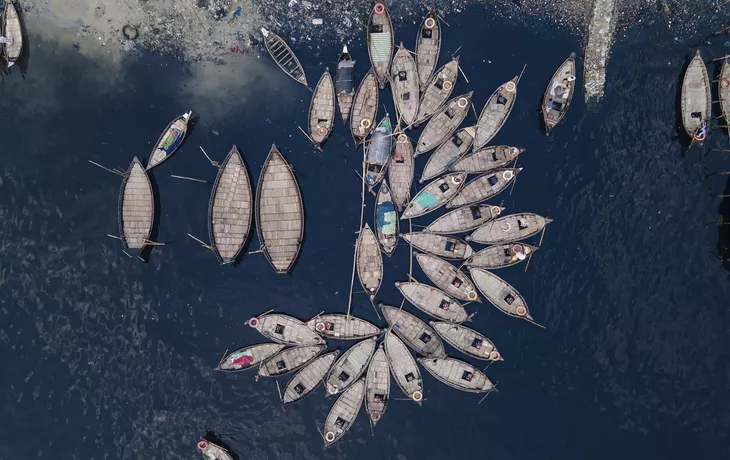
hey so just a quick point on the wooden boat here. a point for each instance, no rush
(136, 209)
(514, 227)
(450, 279)
(380, 42)
(284, 56)
(345, 83)
(170, 140)
(433, 301)
(285, 329)
(447, 153)
(400, 171)
(723, 92)
(443, 123)
(434, 195)
(559, 93)
(308, 378)
(458, 374)
(364, 108)
(437, 90)
(404, 84)
(248, 357)
(484, 187)
(12, 29)
(342, 327)
(377, 386)
(343, 413)
(289, 360)
(279, 213)
(350, 366)
(464, 219)
(369, 262)
(500, 255)
(486, 159)
(444, 246)
(213, 451)
(230, 210)
(495, 112)
(403, 367)
(467, 341)
(428, 47)
(386, 220)
(322, 110)
(378, 152)
(416, 333)
(696, 99)
(500, 294)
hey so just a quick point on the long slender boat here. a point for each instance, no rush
(343, 413)
(514, 227)
(484, 187)
(404, 84)
(437, 90)
(458, 374)
(369, 262)
(308, 378)
(289, 360)
(342, 327)
(467, 341)
(345, 83)
(377, 386)
(378, 152)
(213, 451)
(447, 153)
(284, 57)
(696, 101)
(428, 47)
(416, 333)
(136, 211)
(380, 42)
(464, 219)
(443, 123)
(444, 246)
(433, 301)
(450, 279)
(403, 367)
(170, 140)
(13, 31)
(322, 111)
(501, 294)
(386, 220)
(248, 357)
(400, 170)
(285, 329)
(500, 255)
(486, 159)
(434, 195)
(559, 94)
(350, 366)
(495, 112)
(364, 108)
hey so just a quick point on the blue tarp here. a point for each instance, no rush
(386, 218)
(426, 199)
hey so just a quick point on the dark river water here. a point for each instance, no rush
(107, 357)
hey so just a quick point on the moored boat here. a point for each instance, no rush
(447, 153)
(416, 333)
(486, 159)
(450, 279)
(308, 378)
(500, 255)
(428, 47)
(404, 84)
(289, 360)
(380, 42)
(136, 211)
(400, 170)
(495, 112)
(248, 357)
(443, 123)
(484, 187)
(437, 90)
(170, 140)
(343, 413)
(213, 451)
(12, 30)
(342, 327)
(458, 374)
(464, 219)
(514, 227)
(696, 99)
(322, 110)
(284, 56)
(434, 195)
(559, 93)
(285, 329)
(444, 246)
(467, 341)
(386, 220)
(345, 83)
(432, 301)
(378, 152)
(369, 262)
(364, 108)
(403, 367)
(377, 386)
(350, 366)
(501, 294)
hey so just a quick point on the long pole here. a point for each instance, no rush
(362, 216)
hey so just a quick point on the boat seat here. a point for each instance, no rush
(344, 376)
(426, 33)
(467, 376)
(444, 187)
(450, 246)
(377, 397)
(279, 329)
(450, 112)
(697, 115)
(477, 343)
(399, 158)
(410, 377)
(402, 75)
(501, 100)
(375, 168)
(439, 83)
(299, 388)
(509, 299)
(521, 225)
(406, 96)
(341, 422)
(281, 365)
(425, 337)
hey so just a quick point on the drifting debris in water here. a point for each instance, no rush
(600, 37)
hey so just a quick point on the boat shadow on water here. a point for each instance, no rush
(723, 228)
(212, 437)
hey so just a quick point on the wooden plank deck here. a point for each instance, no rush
(403, 367)
(369, 262)
(444, 123)
(404, 84)
(377, 386)
(428, 47)
(322, 110)
(464, 219)
(495, 112)
(695, 96)
(416, 333)
(433, 301)
(308, 378)
(484, 187)
(437, 90)
(350, 366)
(342, 327)
(343, 413)
(486, 159)
(285, 329)
(400, 170)
(136, 208)
(447, 153)
(458, 374)
(467, 341)
(364, 108)
(289, 360)
(447, 247)
(450, 279)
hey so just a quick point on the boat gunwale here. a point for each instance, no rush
(315, 94)
(548, 126)
(120, 206)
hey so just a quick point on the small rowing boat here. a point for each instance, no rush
(404, 84)
(696, 99)
(12, 30)
(345, 83)
(322, 111)
(464, 219)
(559, 93)
(400, 170)
(444, 246)
(289, 360)
(378, 152)
(500, 255)
(501, 294)
(213, 451)
(369, 262)
(434, 195)
(403, 367)
(386, 220)
(308, 378)
(284, 56)
(170, 140)
(433, 301)
(484, 187)
(380, 42)
(458, 374)
(514, 227)
(443, 123)
(437, 90)
(377, 386)
(136, 211)
(447, 153)
(364, 108)
(342, 327)
(350, 366)
(450, 279)
(486, 159)
(723, 92)
(467, 341)
(248, 357)
(495, 112)
(343, 413)
(285, 329)
(416, 333)
(428, 47)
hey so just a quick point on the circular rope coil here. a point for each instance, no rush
(462, 102)
(510, 86)
(506, 226)
(496, 210)
(379, 8)
(365, 123)
(322, 131)
(521, 311)
(725, 83)
(329, 436)
(402, 138)
(517, 248)
(202, 445)
(447, 85)
(319, 327)
(253, 322)
(456, 179)
(514, 151)
(471, 295)
(375, 416)
(430, 23)
(508, 175)
(417, 396)
(494, 355)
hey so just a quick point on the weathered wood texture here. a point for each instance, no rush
(500, 255)
(434, 195)
(248, 357)
(364, 108)
(450, 279)
(559, 93)
(343, 413)
(11, 29)
(230, 209)
(322, 110)
(487, 159)
(428, 46)
(484, 187)
(285, 329)
(404, 84)
(514, 227)
(444, 123)
(341, 327)
(308, 378)
(467, 341)
(400, 171)
(136, 208)
(464, 219)
(380, 43)
(433, 301)
(279, 212)
(213, 451)
(447, 247)
(284, 57)
(369, 262)
(501, 294)
(458, 374)
(345, 83)
(386, 220)
(416, 333)
(695, 96)
(447, 153)
(403, 367)
(351, 365)
(495, 112)
(289, 360)
(170, 140)
(378, 152)
(377, 386)
(437, 90)
(724, 92)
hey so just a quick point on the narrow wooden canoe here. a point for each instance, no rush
(559, 93)
(724, 92)
(12, 29)
(170, 140)
(341, 327)
(437, 90)
(230, 210)
(213, 451)
(458, 374)
(369, 262)
(501, 294)
(403, 367)
(285, 329)
(484, 187)
(279, 213)
(467, 341)
(495, 112)
(450, 279)
(345, 83)
(500, 255)
(416, 333)
(404, 84)
(343, 413)
(486, 159)
(308, 378)
(696, 98)
(400, 171)
(514, 227)
(434, 195)
(322, 110)
(364, 108)
(443, 123)
(377, 386)
(289, 360)
(350, 366)
(447, 153)
(284, 56)
(136, 211)
(386, 220)
(248, 357)
(444, 246)
(433, 301)
(464, 219)
(378, 152)
(428, 47)
(380, 42)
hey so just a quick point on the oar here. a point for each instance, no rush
(190, 178)
(214, 163)
(119, 173)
